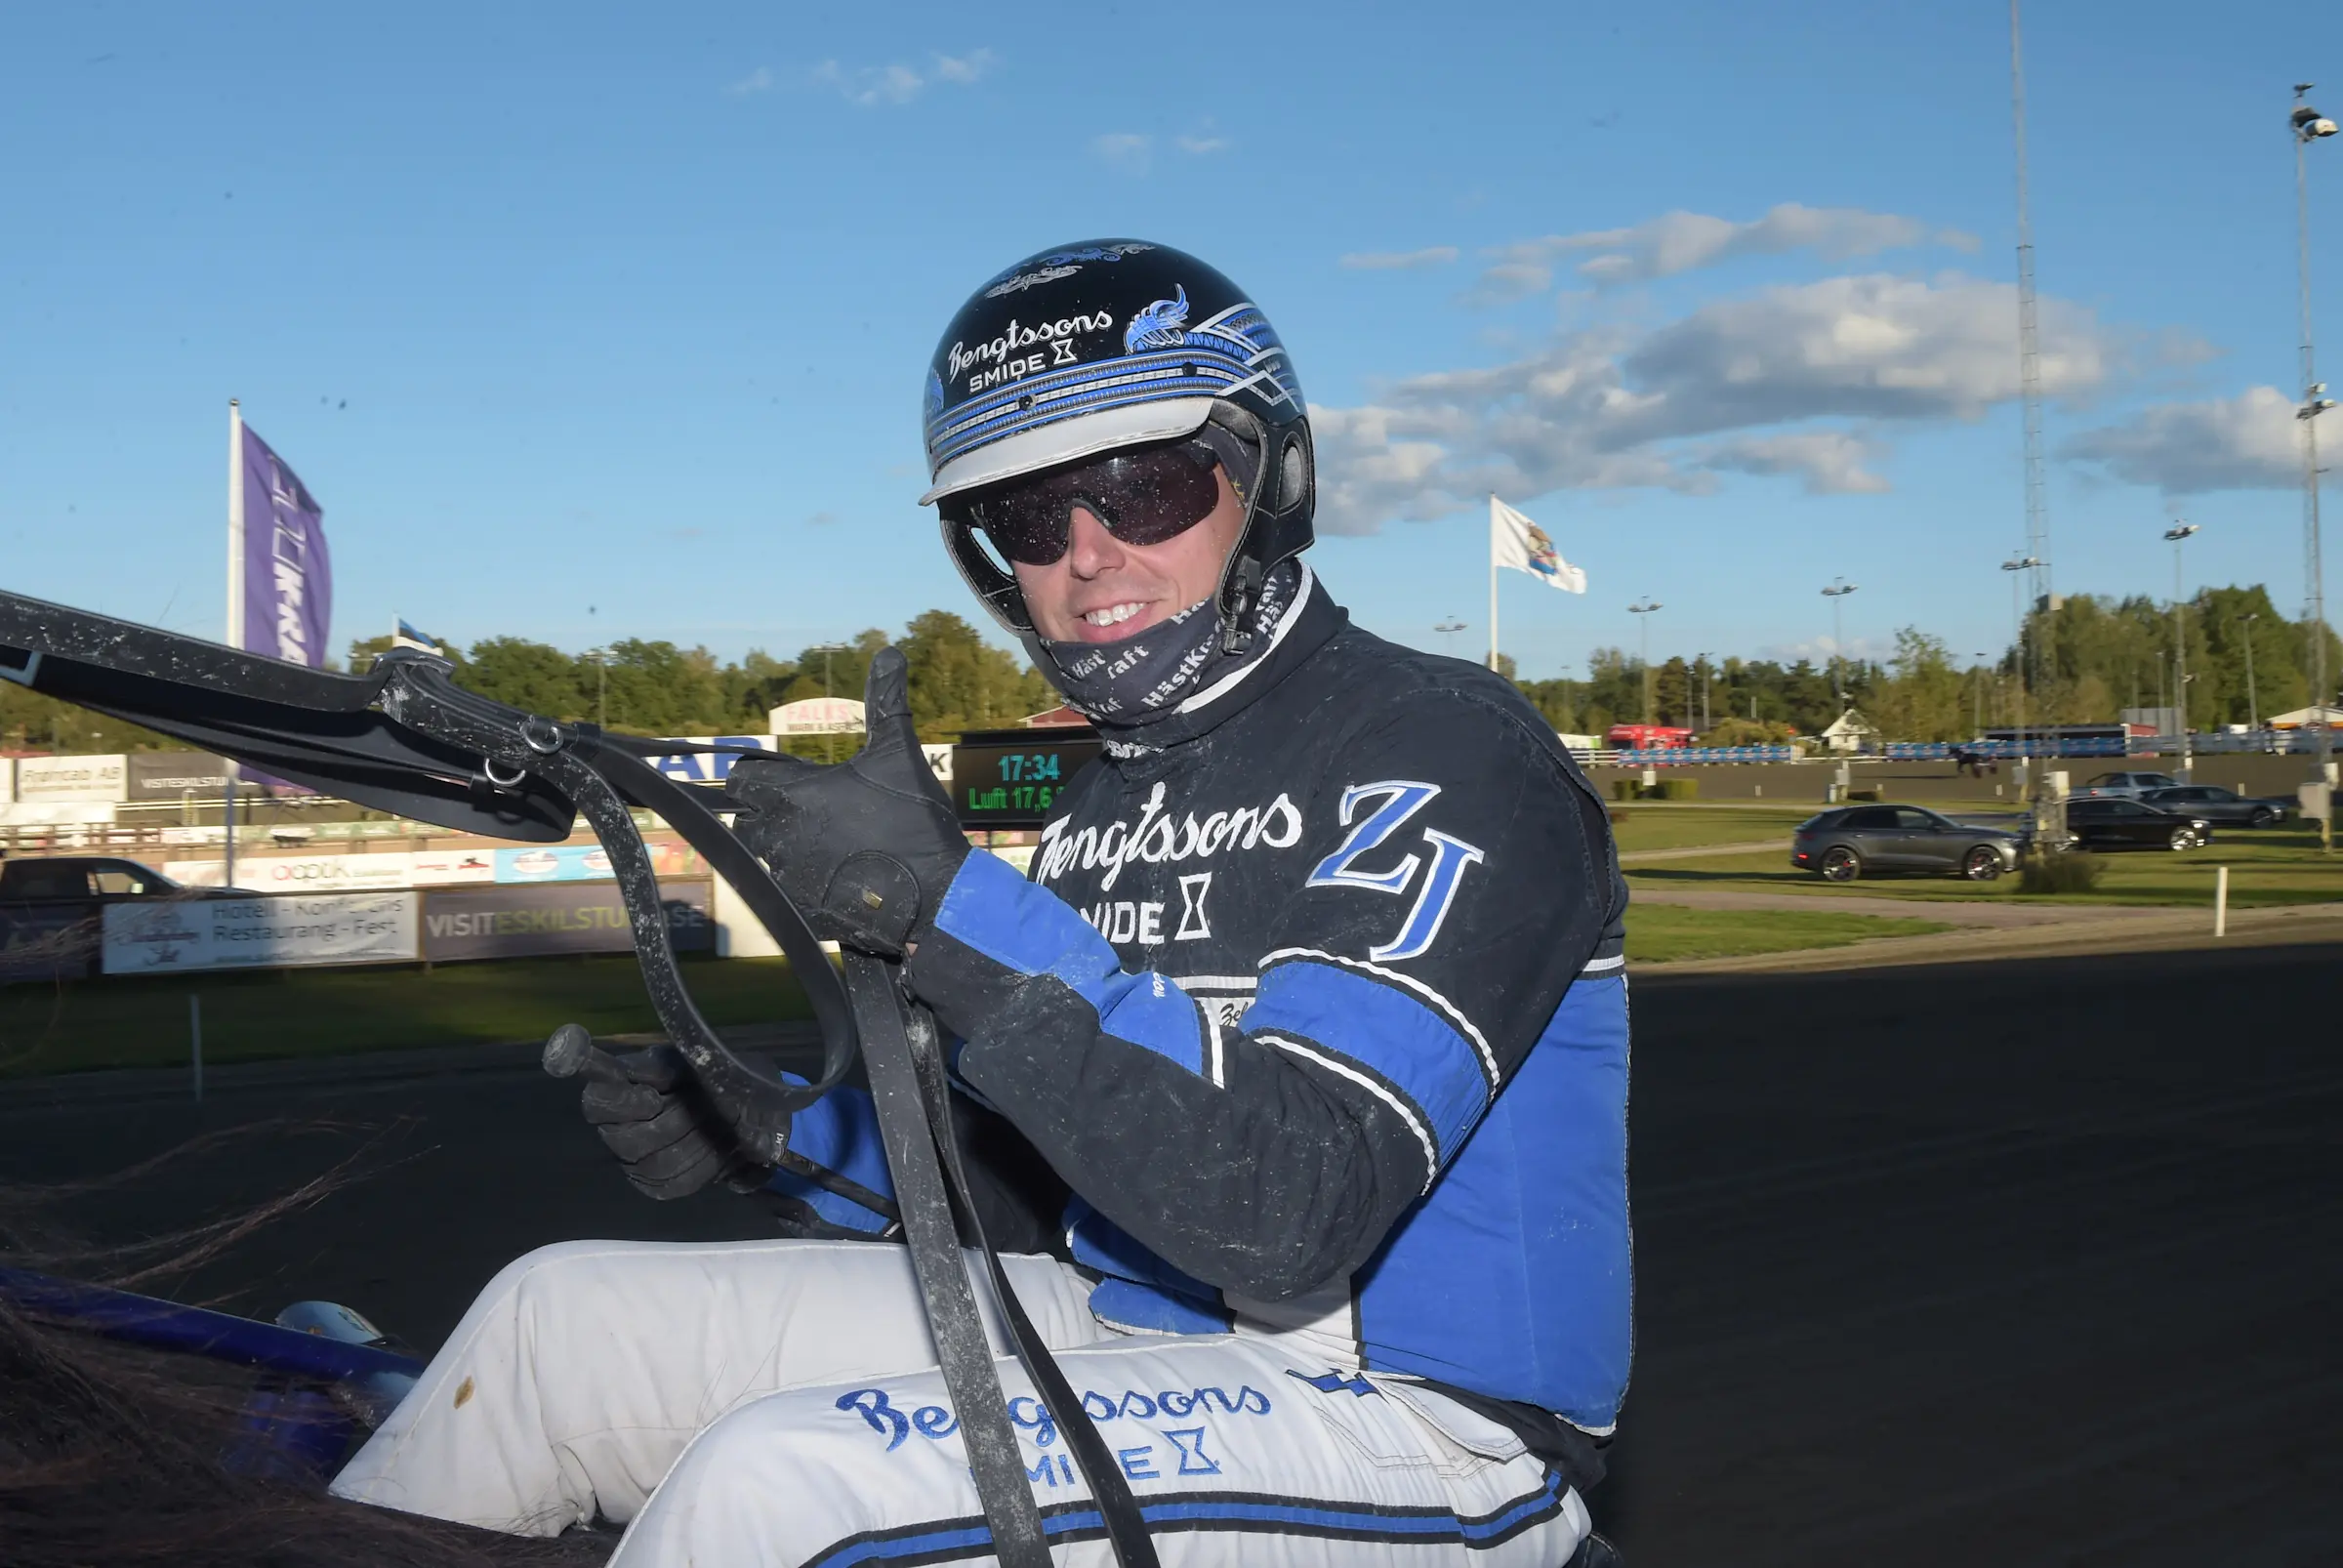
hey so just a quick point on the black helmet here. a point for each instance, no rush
(1114, 343)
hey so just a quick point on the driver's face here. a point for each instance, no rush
(1103, 590)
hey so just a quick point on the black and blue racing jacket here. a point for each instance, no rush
(1315, 1000)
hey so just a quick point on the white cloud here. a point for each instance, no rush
(2247, 442)
(760, 80)
(1508, 281)
(1873, 346)
(964, 68)
(1124, 149)
(1134, 152)
(874, 86)
(1399, 260)
(1676, 407)
(1830, 462)
(1682, 242)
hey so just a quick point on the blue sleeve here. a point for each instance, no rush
(1030, 932)
(840, 1133)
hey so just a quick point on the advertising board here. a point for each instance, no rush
(708, 768)
(172, 775)
(468, 923)
(300, 873)
(817, 716)
(438, 868)
(561, 862)
(42, 780)
(587, 862)
(170, 935)
(322, 873)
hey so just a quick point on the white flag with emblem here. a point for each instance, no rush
(1515, 541)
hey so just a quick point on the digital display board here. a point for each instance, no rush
(1010, 778)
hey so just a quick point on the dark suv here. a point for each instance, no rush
(102, 877)
(1841, 846)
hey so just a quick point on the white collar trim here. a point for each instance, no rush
(1285, 624)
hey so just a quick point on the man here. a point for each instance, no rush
(1313, 1002)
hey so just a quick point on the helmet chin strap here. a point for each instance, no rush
(1236, 438)
(1240, 591)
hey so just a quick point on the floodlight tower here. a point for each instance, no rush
(2049, 816)
(2178, 534)
(2308, 125)
(1836, 594)
(1644, 627)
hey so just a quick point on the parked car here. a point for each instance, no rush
(2224, 807)
(1843, 845)
(102, 877)
(2123, 786)
(2098, 823)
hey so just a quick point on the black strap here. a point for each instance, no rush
(1118, 1510)
(962, 1354)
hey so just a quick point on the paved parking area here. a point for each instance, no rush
(2014, 1264)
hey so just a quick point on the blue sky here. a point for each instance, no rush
(594, 321)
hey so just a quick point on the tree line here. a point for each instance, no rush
(2083, 660)
(958, 681)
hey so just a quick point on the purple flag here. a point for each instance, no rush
(288, 577)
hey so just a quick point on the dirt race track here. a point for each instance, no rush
(2012, 1264)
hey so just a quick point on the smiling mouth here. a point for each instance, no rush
(1113, 614)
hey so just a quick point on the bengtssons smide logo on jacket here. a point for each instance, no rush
(1158, 837)
(1373, 816)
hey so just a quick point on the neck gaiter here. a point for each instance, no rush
(1150, 673)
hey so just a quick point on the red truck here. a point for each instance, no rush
(1646, 737)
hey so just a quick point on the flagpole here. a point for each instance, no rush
(236, 614)
(1493, 580)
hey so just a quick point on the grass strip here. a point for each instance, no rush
(2269, 867)
(1657, 934)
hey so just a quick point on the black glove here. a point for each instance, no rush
(670, 1138)
(866, 848)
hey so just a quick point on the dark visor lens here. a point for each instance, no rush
(1143, 498)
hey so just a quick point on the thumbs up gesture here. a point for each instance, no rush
(865, 848)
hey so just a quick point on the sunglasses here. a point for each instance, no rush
(1143, 498)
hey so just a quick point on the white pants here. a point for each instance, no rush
(761, 1404)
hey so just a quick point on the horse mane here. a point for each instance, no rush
(114, 1456)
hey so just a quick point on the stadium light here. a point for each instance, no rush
(2179, 534)
(1839, 590)
(1640, 611)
